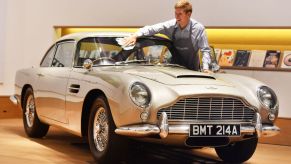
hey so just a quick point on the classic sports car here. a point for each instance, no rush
(92, 86)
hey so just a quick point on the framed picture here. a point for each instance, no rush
(227, 57)
(257, 58)
(217, 52)
(272, 59)
(242, 58)
(286, 60)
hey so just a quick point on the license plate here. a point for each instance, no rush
(214, 130)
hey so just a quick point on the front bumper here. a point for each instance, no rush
(14, 99)
(163, 129)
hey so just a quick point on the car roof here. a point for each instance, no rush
(81, 35)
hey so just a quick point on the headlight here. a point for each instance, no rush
(267, 97)
(140, 94)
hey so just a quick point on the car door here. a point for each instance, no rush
(53, 80)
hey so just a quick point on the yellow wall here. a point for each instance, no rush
(252, 39)
(229, 38)
(61, 31)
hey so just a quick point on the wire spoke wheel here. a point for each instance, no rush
(32, 125)
(100, 129)
(105, 145)
(30, 111)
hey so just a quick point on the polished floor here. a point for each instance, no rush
(61, 147)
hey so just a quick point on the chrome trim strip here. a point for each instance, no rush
(147, 130)
(143, 130)
(13, 99)
(269, 130)
(74, 88)
(163, 128)
(179, 129)
(259, 128)
(163, 125)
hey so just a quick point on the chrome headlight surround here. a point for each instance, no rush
(140, 94)
(268, 98)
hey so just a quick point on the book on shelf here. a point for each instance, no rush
(272, 59)
(242, 58)
(217, 52)
(286, 62)
(257, 58)
(227, 57)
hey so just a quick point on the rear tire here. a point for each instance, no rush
(105, 145)
(238, 152)
(32, 125)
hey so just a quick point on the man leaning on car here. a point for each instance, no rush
(187, 34)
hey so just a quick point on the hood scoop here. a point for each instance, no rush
(182, 73)
(196, 76)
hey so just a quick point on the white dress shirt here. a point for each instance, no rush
(198, 37)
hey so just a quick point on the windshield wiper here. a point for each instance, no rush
(131, 61)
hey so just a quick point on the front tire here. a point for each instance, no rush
(105, 145)
(238, 152)
(32, 125)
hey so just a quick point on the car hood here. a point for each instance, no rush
(171, 75)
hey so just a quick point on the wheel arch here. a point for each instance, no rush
(88, 101)
(24, 88)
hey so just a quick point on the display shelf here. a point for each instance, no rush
(257, 68)
(236, 38)
(252, 39)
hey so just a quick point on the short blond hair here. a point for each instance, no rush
(185, 5)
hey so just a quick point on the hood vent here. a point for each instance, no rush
(196, 76)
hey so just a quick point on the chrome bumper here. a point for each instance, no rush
(14, 99)
(163, 129)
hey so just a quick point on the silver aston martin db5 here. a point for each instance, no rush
(92, 86)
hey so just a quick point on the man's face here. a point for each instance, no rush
(182, 17)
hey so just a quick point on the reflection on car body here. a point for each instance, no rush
(103, 91)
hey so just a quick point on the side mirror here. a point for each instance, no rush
(88, 64)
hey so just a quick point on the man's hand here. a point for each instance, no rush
(207, 71)
(129, 41)
(221, 71)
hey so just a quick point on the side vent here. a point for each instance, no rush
(74, 88)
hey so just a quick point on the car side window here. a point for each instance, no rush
(64, 54)
(47, 60)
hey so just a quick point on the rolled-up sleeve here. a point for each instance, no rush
(163, 28)
(205, 49)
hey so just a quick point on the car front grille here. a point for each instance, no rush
(209, 109)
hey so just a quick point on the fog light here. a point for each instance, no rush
(271, 117)
(144, 116)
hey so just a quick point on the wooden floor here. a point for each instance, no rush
(8, 110)
(61, 147)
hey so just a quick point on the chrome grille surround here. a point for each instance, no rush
(213, 109)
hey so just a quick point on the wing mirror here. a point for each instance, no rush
(88, 64)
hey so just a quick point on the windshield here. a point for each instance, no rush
(106, 51)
